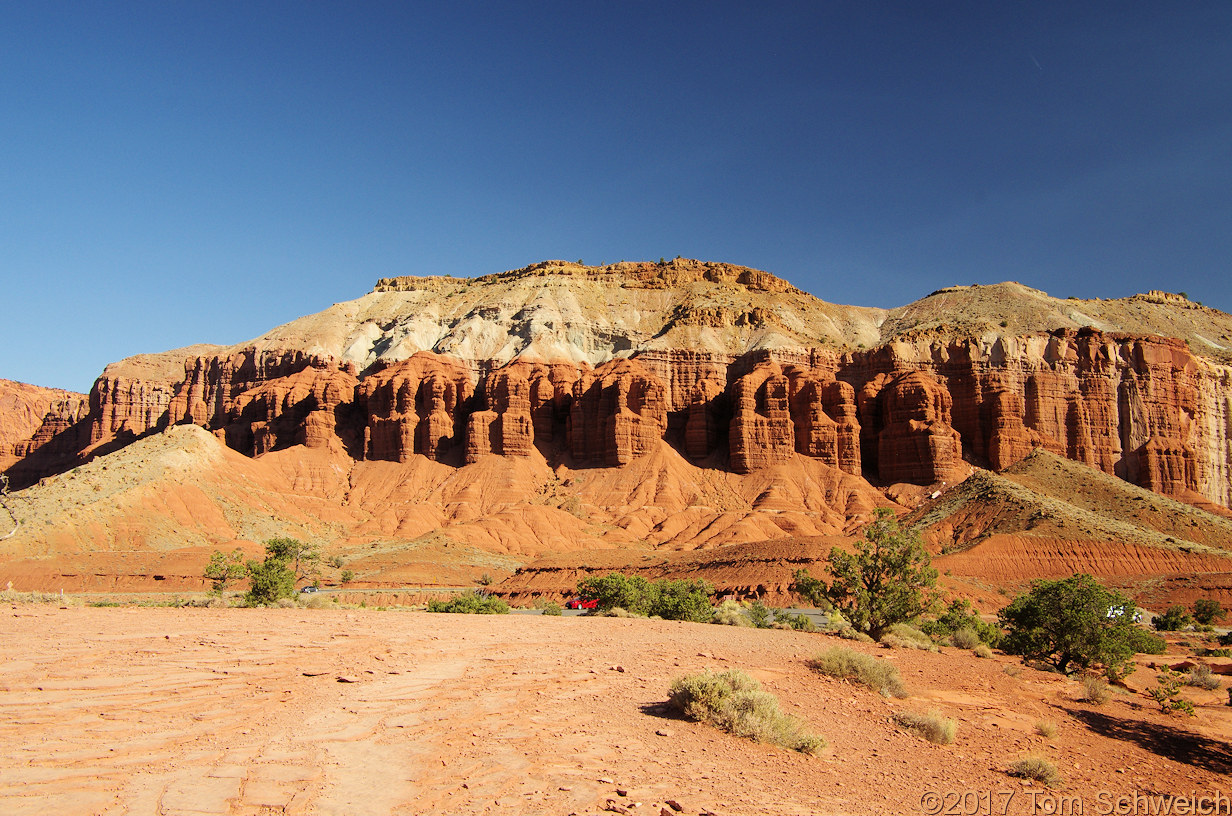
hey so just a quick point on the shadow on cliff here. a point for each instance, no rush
(1173, 743)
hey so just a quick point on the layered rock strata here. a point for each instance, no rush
(1144, 409)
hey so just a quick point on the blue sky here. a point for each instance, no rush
(184, 172)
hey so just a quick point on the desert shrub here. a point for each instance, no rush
(1072, 623)
(1094, 691)
(269, 581)
(319, 602)
(887, 580)
(982, 650)
(735, 702)
(474, 603)
(730, 613)
(550, 608)
(1202, 677)
(902, 636)
(959, 616)
(1012, 670)
(759, 614)
(670, 600)
(1175, 619)
(682, 600)
(347, 576)
(849, 633)
(1046, 728)
(1167, 693)
(966, 638)
(620, 612)
(1217, 652)
(792, 620)
(931, 726)
(856, 667)
(1207, 611)
(1225, 639)
(224, 568)
(1143, 642)
(1037, 768)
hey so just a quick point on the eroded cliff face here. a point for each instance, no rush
(751, 380)
(1143, 409)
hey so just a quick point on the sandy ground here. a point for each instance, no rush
(192, 711)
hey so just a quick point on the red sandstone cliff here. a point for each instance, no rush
(913, 409)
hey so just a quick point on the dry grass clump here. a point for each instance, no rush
(1037, 768)
(1202, 677)
(1046, 728)
(982, 650)
(731, 613)
(931, 726)
(13, 596)
(618, 612)
(320, 602)
(1094, 691)
(1013, 670)
(733, 701)
(857, 667)
(902, 636)
(966, 638)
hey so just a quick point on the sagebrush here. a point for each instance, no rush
(857, 667)
(735, 702)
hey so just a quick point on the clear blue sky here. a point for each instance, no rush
(181, 172)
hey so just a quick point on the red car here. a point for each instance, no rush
(578, 603)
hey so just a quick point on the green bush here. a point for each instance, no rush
(857, 667)
(1225, 639)
(670, 600)
(682, 600)
(759, 614)
(735, 702)
(551, 608)
(1167, 693)
(225, 568)
(959, 615)
(1208, 611)
(1143, 642)
(931, 726)
(474, 603)
(1175, 619)
(269, 581)
(1072, 623)
(793, 620)
(966, 638)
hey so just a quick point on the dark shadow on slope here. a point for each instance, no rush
(1166, 741)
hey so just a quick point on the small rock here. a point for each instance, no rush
(617, 668)
(613, 807)
(663, 732)
(674, 805)
(565, 788)
(621, 792)
(346, 678)
(606, 781)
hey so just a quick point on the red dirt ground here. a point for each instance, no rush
(258, 711)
